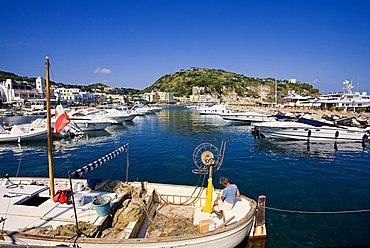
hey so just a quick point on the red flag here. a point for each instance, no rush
(61, 117)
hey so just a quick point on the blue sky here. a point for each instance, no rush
(133, 43)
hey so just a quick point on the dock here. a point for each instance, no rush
(258, 235)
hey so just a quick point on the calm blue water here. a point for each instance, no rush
(161, 148)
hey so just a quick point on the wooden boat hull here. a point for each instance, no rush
(227, 239)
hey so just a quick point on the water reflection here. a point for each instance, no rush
(309, 149)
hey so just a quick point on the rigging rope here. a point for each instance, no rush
(20, 161)
(318, 212)
(190, 198)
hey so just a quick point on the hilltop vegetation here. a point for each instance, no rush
(9, 75)
(220, 83)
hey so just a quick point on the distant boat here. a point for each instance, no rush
(89, 123)
(346, 99)
(213, 110)
(116, 116)
(246, 116)
(5, 112)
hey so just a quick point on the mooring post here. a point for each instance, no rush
(260, 216)
(257, 238)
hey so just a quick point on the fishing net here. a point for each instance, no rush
(173, 221)
(131, 210)
(119, 187)
(69, 230)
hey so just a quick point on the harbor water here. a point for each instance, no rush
(293, 175)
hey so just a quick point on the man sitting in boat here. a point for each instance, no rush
(229, 193)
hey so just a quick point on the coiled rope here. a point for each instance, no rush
(318, 212)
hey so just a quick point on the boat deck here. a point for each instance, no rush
(27, 206)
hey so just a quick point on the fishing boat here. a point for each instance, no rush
(27, 222)
(88, 213)
(24, 132)
(310, 130)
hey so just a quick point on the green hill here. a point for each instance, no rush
(220, 83)
(9, 75)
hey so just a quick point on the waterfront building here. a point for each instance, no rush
(67, 94)
(23, 94)
(199, 96)
(159, 97)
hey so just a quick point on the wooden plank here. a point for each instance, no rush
(225, 223)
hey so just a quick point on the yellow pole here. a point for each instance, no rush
(208, 206)
(50, 139)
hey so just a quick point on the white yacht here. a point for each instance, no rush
(213, 110)
(246, 116)
(310, 130)
(346, 99)
(117, 116)
(89, 123)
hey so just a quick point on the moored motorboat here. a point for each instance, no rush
(35, 130)
(213, 110)
(246, 116)
(311, 130)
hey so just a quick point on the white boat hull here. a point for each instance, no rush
(90, 125)
(225, 239)
(252, 117)
(320, 134)
(29, 136)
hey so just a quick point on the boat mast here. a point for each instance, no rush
(275, 93)
(50, 140)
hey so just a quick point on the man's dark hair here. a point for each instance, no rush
(224, 180)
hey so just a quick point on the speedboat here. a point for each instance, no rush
(213, 110)
(35, 130)
(246, 116)
(117, 116)
(89, 123)
(310, 130)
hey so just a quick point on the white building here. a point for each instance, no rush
(159, 97)
(198, 96)
(17, 92)
(68, 94)
(23, 94)
(40, 86)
